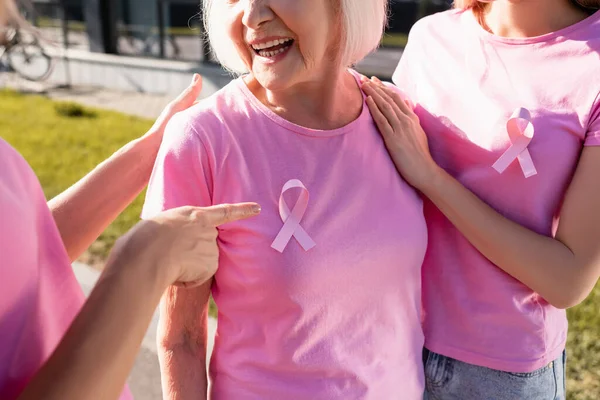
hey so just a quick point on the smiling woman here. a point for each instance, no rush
(360, 27)
(323, 301)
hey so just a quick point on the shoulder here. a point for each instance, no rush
(403, 95)
(441, 21)
(211, 120)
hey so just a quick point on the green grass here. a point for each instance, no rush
(47, 22)
(63, 141)
(583, 350)
(76, 26)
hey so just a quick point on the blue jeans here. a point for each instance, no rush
(450, 379)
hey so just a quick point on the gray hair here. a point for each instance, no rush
(363, 23)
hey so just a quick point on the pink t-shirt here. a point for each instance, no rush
(39, 295)
(339, 321)
(466, 83)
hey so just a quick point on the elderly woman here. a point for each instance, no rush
(323, 301)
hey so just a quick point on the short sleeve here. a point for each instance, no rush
(592, 136)
(182, 173)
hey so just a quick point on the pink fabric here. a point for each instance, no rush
(339, 321)
(39, 295)
(466, 83)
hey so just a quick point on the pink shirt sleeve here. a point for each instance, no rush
(181, 175)
(592, 137)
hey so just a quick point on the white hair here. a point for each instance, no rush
(363, 23)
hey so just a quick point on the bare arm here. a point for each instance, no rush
(182, 339)
(178, 245)
(104, 337)
(83, 211)
(563, 270)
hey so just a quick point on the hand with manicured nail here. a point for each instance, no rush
(182, 242)
(185, 100)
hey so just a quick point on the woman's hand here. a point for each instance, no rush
(185, 100)
(83, 211)
(180, 244)
(402, 133)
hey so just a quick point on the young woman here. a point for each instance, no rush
(507, 152)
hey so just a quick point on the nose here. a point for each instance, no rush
(256, 13)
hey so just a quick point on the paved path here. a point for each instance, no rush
(139, 104)
(381, 63)
(144, 380)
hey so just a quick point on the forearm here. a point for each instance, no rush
(542, 263)
(97, 353)
(83, 211)
(182, 343)
(183, 373)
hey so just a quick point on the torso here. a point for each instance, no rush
(465, 86)
(341, 320)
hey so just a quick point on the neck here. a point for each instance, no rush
(530, 18)
(329, 102)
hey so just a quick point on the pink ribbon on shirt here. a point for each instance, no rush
(520, 131)
(291, 220)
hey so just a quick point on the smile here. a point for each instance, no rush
(272, 48)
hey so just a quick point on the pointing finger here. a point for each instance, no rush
(225, 213)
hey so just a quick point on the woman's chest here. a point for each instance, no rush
(329, 214)
(519, 159)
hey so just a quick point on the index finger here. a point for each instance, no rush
(225, 213)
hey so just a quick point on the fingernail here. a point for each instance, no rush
(256, 209)
(195, 78)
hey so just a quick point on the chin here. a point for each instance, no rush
(274, 80)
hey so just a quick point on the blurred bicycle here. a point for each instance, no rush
(24, 54)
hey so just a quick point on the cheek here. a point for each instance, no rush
(235, 31)
(314, 48)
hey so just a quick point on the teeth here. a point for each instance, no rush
(270, 53)
(271, 43)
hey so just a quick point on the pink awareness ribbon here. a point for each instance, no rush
(291, 220)
(520, 130)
